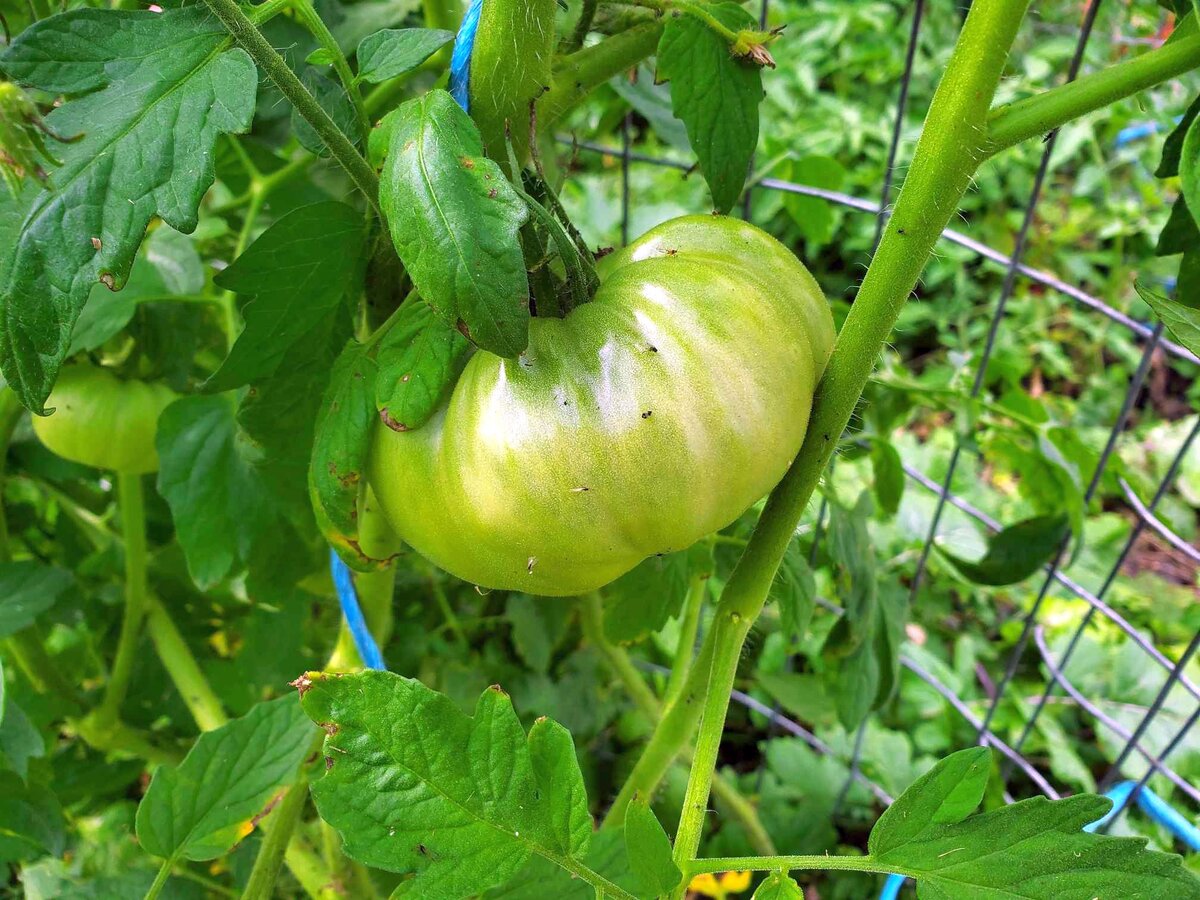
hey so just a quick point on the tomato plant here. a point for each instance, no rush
(338, 242)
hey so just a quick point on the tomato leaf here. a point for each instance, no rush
(540, 878)
(815, 217)
(340, 451)
(889, 476)
(221, 508)
(778, 886)
(454, 220)
(31, 820)
(716, 95)
(649, 851)
(413, 784)
(27, 589)
(556, 768)
(1168, 166)
(1182, 321)
(795, 590)
(298, 271)
(641, 601)
(202, 808)
(139, 81)
(393, 52)
(419, 360)
(1033, 849)
(946, 794)
(1014, 553)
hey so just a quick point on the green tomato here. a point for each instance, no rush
(639, 423)
(104, 421)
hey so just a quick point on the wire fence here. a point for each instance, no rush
(1031, 652)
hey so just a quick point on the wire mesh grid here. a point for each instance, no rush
(1032, 645)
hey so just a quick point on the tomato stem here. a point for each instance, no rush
(791, 864)
(316, 26)
(1042, 113)
(948, 152)
(131, 502)
(689, 627)
(179, 661)
(250, 39)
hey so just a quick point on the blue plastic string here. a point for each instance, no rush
(343, 581)
(1151, 804)
(460, 59)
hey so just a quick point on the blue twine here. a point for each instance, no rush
(368, 650)
(460, 59)
(1151, 804)
(343, 581)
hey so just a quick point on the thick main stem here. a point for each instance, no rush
(276, 68)
(947, 155)
(131, 500)
(271, 853)
(177, 658)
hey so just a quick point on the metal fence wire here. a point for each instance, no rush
(1032, 652)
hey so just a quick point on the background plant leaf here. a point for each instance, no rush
(200, 809)
(1014, 553)
(298, 272)
(138, 81)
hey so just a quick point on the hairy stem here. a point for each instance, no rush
(276, 68)
(587, 15)
(947, 155)
(577, 75)
(307, 14)
(1038, 115)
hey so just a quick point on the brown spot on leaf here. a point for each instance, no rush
(96, 245)
(107, 279)
(330, 728)
(464, 330)
(406, 376)
(492, 193)
(467, 162)
(391, 422)
(409, 144)
(302, 684)
(328, 763)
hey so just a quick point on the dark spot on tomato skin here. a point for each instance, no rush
(647, 414)
(653, 349)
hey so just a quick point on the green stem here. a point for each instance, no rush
(132, 504)
(689, 626)
(946, 157)
(10, 415)
(670, 738)
(510, 66)
(587, 15)
(181, 666)
(276, 68)
(160, 880)
(273, 850)
(316, 26)
(264, 12)
(591, 617)
(793, 863)
(444, 14)
(576, 75)
(604, 887)
(662, 7)
(1038, 115)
